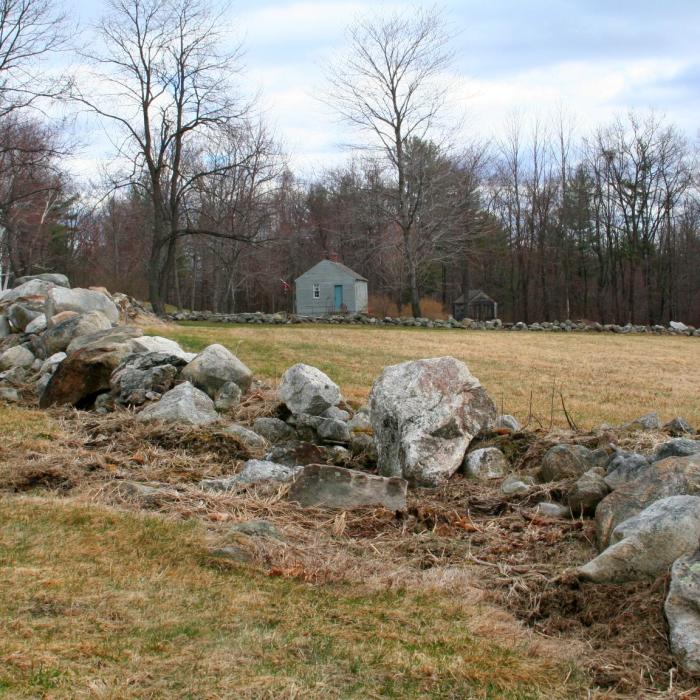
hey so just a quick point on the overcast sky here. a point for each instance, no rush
(593, 59)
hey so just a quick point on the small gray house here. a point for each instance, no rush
(329, 287)
(475, 304)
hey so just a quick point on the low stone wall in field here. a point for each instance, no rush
(363, 320)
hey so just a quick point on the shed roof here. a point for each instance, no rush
(474, 295)
(340, 267)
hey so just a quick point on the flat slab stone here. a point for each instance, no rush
(337, 487)
(80, 300)
(54, 277)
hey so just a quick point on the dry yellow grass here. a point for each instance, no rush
(603, 378)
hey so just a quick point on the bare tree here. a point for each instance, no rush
(236, 203)
(645, 175)
(169, 91)
(30, 31)
(34, 189)
(389, 85)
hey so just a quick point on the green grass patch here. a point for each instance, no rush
(100, 603)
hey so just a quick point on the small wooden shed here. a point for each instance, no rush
(330, 287)
(475, 304)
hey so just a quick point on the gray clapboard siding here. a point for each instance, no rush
(327, 275)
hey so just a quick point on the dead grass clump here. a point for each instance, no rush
(262, 402)
(87, 448)
(121, 431)
(645, 441)
(30, 477)
(622, 624)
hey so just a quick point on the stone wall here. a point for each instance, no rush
(450, 324)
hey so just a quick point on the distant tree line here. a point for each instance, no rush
(201, 209)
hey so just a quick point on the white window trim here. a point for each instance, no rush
(316, 290)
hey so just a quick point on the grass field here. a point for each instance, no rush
(603, 378)
(102, 604)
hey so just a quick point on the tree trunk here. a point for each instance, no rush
(412, 274)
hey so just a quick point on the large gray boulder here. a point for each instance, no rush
(214, 367)
(183, 404)
(649, 421)
(678, 447)
(625, 467)
(645, 545)
(674, 476)
(86, 372)
(332, 430)
(91, 322)
(424, 414)
(307, 390)
(683, 612)
(588, 491)
(336, 487)
(21, 315)
(33, 291)
(50, 364)
(273, 429)
(80, 300)
(36, 325)
(678, 427)
(18, 356)
(485, 463)
(59, 336)
(228, 397)
(336, 414)
(52, 277)
(570, 462)
(249, 439)
(123, 335)
(5, 329)
(258, 470)
(140, 378)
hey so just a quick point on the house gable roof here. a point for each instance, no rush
(474, 295)
(338, 266)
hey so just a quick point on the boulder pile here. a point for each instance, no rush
(425, 421)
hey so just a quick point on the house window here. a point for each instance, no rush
(317, 291)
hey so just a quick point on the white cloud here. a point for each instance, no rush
(288, 43)
(309, 22)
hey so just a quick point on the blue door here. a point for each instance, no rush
(338, 297)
